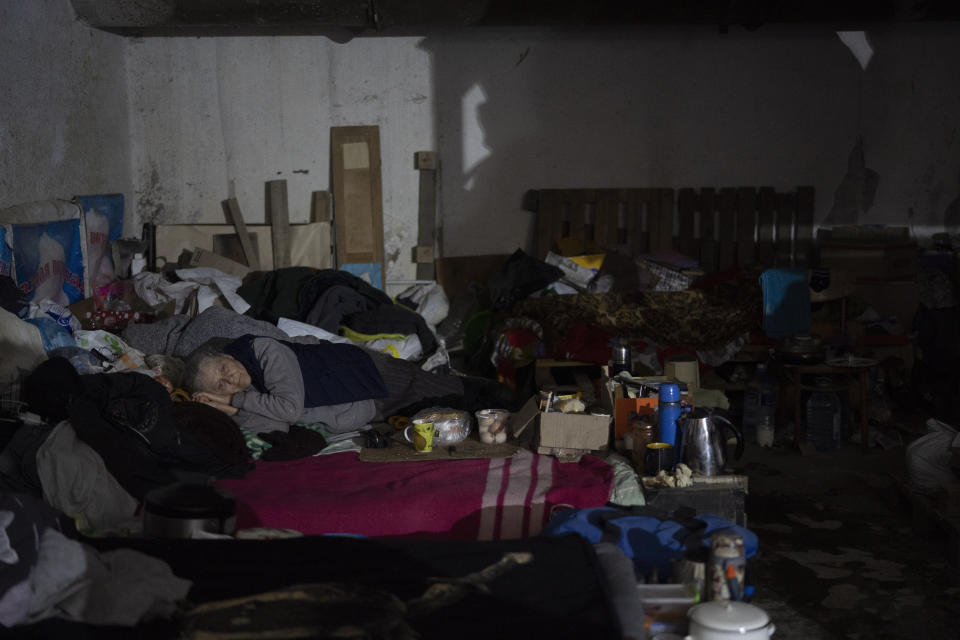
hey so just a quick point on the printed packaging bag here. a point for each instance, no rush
(103, 219)
(49, 260)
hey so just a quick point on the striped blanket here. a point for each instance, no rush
(498, 499)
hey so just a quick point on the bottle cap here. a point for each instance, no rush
(669, 393)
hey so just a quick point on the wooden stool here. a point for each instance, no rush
(855, 374)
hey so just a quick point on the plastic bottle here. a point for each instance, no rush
(766, 432)
(823, 416)
(759, 399)
(768, 399)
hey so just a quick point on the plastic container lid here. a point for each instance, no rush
(669, 393)
(740, 617)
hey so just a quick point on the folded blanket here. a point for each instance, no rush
(179, 335)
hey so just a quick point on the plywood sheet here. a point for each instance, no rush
(279, 215)
(310, 243)
(357, 197)
(231, 208)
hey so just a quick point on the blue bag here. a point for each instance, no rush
(651, 537)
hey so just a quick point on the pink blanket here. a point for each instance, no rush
(458, 499)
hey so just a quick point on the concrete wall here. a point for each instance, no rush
(218, 117)
(691, 107)
(63, 107)
(200, 119)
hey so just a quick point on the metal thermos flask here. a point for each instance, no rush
(669, 411)
(621, 359)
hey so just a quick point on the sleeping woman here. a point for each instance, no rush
(267, 384)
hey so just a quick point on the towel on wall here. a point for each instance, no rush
(786, 302)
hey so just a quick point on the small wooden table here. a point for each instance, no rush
(856, 373)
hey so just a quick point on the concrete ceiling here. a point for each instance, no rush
(343, 19)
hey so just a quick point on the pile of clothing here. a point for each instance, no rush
(47, 572)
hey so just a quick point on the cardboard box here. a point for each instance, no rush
(626, 406)
(899, 298)
(621, 406)
(565, 435)
(872, 261)
(309, 243)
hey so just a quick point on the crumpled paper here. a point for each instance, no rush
(682, 477)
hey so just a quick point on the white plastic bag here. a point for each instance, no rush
(22, 347)
(431, 301)
(928, 458)
(114, 350)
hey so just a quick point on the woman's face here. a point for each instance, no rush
(224, 375)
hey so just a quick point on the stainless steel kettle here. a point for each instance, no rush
(703, 448)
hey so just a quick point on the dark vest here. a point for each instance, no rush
(332, 373)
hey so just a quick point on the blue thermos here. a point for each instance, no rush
(669, 409)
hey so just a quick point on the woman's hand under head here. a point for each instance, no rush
(217, 401)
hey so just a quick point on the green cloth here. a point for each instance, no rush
(626, 490)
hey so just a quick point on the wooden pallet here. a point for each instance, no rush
(722, 228)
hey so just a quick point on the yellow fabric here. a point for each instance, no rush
(590, 261)
(356, 336)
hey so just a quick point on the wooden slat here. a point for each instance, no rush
(638, 239)
(357, 196)
(667, 206)
(589, 219)
(231, 209)
(621, 211)
(746, 224)
(578, 200)
(766, 207)
(279, 215)
(548, 221)
(726, 206)
(605, 228)
(708, 246)
(786, 205)
(426, 163)
(320, 206)
(803, 242)
(687, 204)
(660, 219)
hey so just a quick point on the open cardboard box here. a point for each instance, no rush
(613, 398)
(564, 435)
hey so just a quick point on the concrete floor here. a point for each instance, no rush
(839, 557)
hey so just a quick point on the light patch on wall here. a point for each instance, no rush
(859, 46)
(59, 146)
(475, 149)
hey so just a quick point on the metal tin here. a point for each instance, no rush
(185, 509)
(644, 433)
(622, 360)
